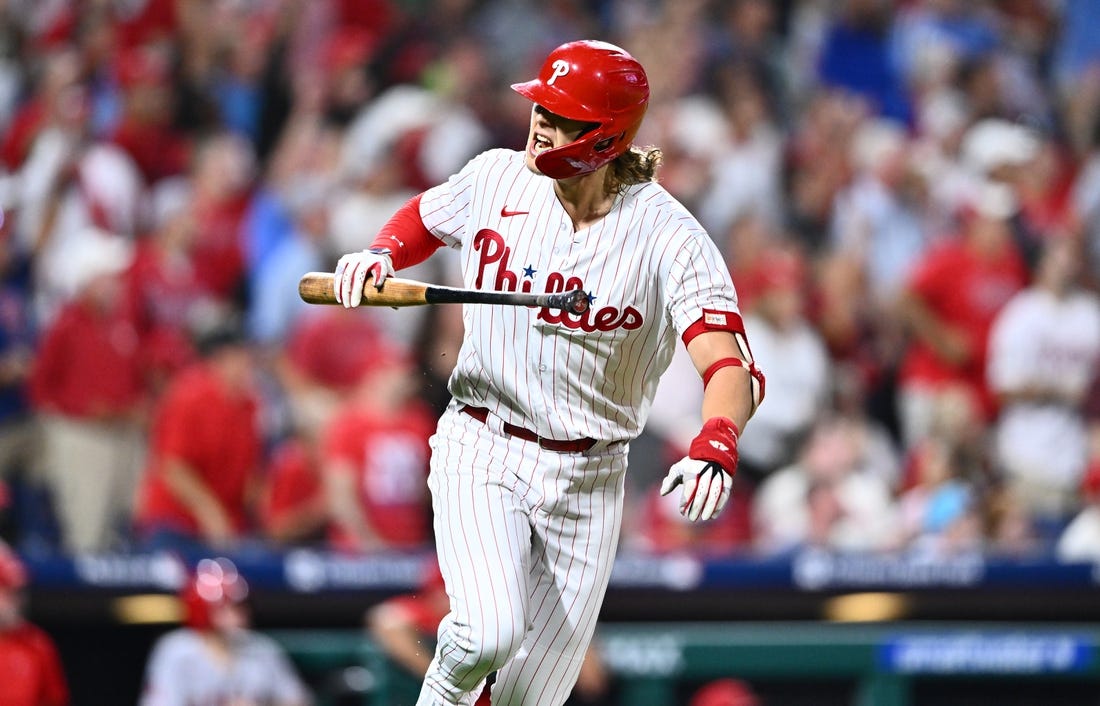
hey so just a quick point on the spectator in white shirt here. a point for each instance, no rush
(1044, 350)
(789, 345)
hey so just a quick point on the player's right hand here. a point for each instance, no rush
(351, 274)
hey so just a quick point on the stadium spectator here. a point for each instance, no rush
(315, 376)
(1080, 541)
(940, 512)
(1044, 351)
(144, 129)
(17, 341)
(275, 304)
(89, 393)
(878, 220)
(784, 341)
(856, 57)
(30, 667)
(201, 472)
(1075, 75)
(293, 508)
(56, 100)
(375, 459)
(216, 657)
(169, 302)
(745, 172)
(72, 192)
(948, 305)
(222, 180)
(830, 497)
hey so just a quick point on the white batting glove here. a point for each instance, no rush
(706, 487)
(352, 271)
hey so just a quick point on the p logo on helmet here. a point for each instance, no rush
(560, 68)
(607, 88)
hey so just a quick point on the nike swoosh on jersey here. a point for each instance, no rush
(505, 213)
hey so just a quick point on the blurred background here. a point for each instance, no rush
(907, 193)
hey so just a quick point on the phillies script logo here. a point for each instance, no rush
(492, 251)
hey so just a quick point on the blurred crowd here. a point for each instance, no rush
(907, 193)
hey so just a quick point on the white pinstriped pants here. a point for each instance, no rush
(526, 540)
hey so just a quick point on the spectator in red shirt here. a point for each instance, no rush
(164, 288)
(30, 668)
(949, 304)
(317, 376)
(87, 387)
(144, 129)
(58, 100)
(221, 178)
(293, 506)
(201, 472)
(375, 456)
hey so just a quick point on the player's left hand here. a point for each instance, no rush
(706, 473)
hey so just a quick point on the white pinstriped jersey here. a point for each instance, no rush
(649, 268)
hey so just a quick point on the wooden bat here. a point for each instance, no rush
(316, 288)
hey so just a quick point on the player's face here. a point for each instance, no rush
(549, 131)
(229, 618)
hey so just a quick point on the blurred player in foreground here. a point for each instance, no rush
(30, 669)
(529, 459)
(216, 658)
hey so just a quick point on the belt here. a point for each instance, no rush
(566, 447)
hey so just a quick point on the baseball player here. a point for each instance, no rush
(528, 460)
(31, 673)
(215, 658)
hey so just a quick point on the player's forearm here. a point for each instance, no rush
(728, 389)
(931, 329)
(404, 646)
(728, 395)
(186, 485)
(344, 507)
(405, 236)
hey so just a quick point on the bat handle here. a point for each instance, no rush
(574, 302)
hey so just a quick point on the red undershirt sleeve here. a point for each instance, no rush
(405, 236)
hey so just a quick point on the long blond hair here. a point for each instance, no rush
(635, 166)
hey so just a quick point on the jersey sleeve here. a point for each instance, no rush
(164, 680)
(697, 281)
(445, 209)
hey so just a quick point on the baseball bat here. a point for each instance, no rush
(316, 288)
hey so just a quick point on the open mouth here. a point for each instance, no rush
(540, 144)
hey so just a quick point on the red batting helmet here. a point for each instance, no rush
(215, 583)
(13, 575)
(594, 82)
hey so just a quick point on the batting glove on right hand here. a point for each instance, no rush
(706, 473)
(352, 270)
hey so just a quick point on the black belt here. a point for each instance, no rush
(573, 446)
